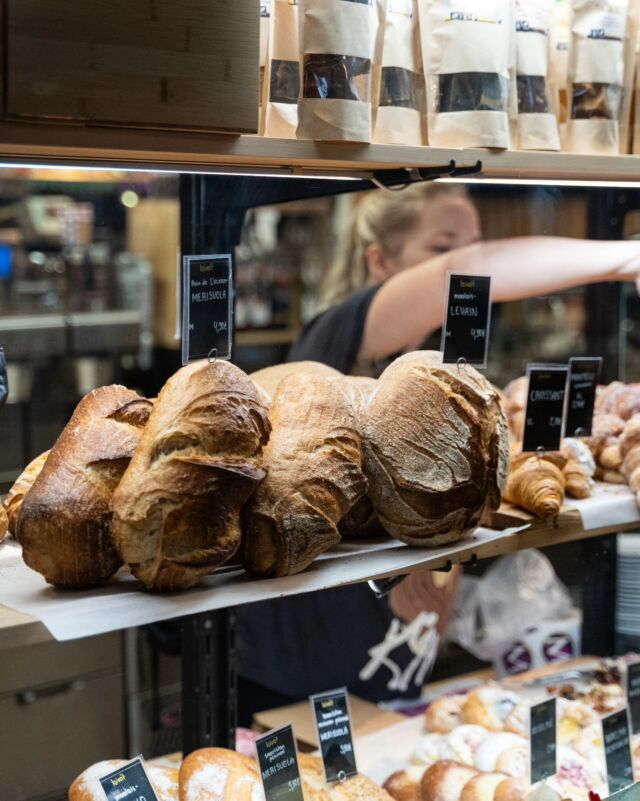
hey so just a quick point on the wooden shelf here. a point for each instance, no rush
(57, 144)
(122, 603)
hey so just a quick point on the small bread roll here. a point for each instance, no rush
(444, 714)
(444, 781)
(488, 753)
(87, 786)
(489, 706)
(511, 789)
(404, 785)
(514, 762)
(481, 787)
(218, 774)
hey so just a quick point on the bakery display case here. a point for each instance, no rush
(230, 529)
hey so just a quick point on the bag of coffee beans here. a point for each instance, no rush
(400, 117)
(468, 50)
(340, 46)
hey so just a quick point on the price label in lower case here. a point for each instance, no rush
(278, 760)
(207, 307)
(633, 695)
(465, 335)
(542, 723)
(129, 783)
(617, 748)
(545, 407)
(333, 722)
(581, 396)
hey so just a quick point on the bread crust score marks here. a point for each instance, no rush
(436, 449)
(64, 525)
(314, 463)
(177, 508)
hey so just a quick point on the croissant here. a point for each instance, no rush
(536, 483)
(630, 452)
(579, 469)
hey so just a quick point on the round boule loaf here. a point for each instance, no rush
(436, 449)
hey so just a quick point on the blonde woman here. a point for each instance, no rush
(384, 296)
(385, 293)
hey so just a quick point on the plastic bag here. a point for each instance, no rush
(516, 593)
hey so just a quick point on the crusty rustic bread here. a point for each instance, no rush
(64, 525)
(87, 786)
(21, 486)
(355, 788)
(177, 508)
(270, 377)
(218, 774)
(314, 463)
(4, 523)
(436, 449)
(445, 780)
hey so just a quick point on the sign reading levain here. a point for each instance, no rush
(129, 783)
(542, 723)
(633, 695)
(207, 309)
(617, 747)
(278, 762)
(583, 380)
(545, 407)
(465, 335)
(331, 712)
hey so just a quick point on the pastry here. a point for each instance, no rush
(445, 713)
(579, 469)
(489, 706)
(4, 523)
(355, 788)
(87, 786)
(436, 449)
(481, 787)
(536, 483)
(21, 486)
(494, 747)
(64, 525)
(445, 780)
(177, 508)
(619, 399)
(269, 378)
(218, 774)
(514, 761)
(459, 745)
(511, 789)
(314, 463)
(576, 777)
(404, 785)
(573, 718)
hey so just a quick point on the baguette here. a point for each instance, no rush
(177, 509)
(64, 525)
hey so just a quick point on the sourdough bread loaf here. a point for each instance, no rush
(270, 377)
(436, 448)
(87, 786)
(218, 774)
(314, 464)
(177, 509)
(64, 525)
(21, 486)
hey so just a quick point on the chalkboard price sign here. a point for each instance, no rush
(545, 407)
(130, 782)
(617, 747)
(465, 335)
(331, 711)
(543, 740)
(633, 695)
(581, 397)
(207, 307)
(278, 760)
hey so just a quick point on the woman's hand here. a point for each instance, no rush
(426, 592)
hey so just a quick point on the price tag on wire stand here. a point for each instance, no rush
(129, 782)
(545, 407)
(333, 722)
(207, 307)
(581, 395)
(617, 748)
(542, 726)
(465, 334)
(278, 760)
(631, 793)
(633, 695)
